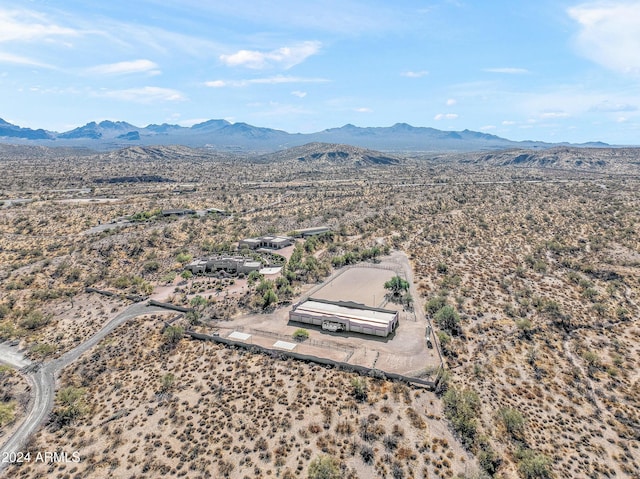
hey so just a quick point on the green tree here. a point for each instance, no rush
(270, 298)
(435, 304)
(448, 319)
(397, 285)
(324, 467)
(71, 405)
(198, 302)
(461, 408)
(253, 277)
(173, 334)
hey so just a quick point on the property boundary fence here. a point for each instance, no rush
(362, 370)
(153, 302)
(310, 342)
(136, 298)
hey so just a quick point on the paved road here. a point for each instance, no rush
(43, 379)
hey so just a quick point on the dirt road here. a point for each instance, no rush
(42, 377)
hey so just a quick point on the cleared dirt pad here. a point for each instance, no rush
(361, 285)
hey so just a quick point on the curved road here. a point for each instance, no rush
(43, 379)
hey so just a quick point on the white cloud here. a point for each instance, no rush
(445, 116)
(607, 107)
(487, 128)
(124, 68)
(147, 94)
(508, 123)
(27, 25)
(275, 80)
(285, 57)
(217, 84)
(364, 110)
(412, 74)
(507, 70)
(451, 102)
(554, 114)
(21, 60)
(299, 94)
(609, 34)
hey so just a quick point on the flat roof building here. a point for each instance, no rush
(266, 242)
(230, 264)
(345, 316)
(306, 232)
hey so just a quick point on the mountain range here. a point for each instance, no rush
(225, 136)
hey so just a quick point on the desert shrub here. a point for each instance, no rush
(461, 408)
(35, 319)
(448, 319)
(300, 334)
(225, 468)
(324, 467)
(435, 304)
(167, 382)
(593, 362)
(488, 459)
(512, 421)
(359, 389)
(532, 465)
(151, 266)
(390, 443)
(71, 406)
(525, 327)
(7, 412)
(173, 334)
(270, 298)
(198, 302)
(184, 258)
(367, 454)
(397, 472)
(169, 277)
(42, 350)
(254, 276)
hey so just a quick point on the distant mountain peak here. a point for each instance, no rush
(211, 124)
(225, 136)
(13, 131)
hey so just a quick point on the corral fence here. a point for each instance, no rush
(362, 370)
(396, 269)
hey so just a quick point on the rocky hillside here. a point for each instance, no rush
(332, 155)
(613, 160)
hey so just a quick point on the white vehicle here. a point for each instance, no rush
(332, 326)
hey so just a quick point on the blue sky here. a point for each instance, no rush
(550, 70)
